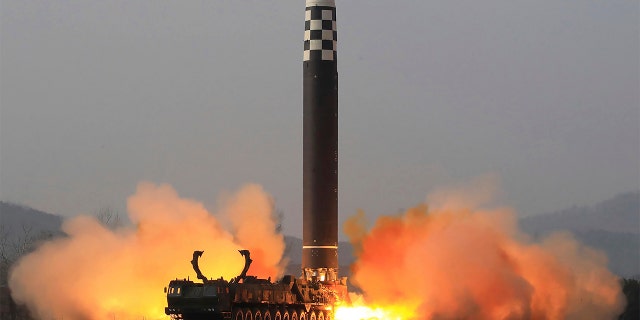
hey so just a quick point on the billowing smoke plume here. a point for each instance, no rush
(458, 259)
(97, 273)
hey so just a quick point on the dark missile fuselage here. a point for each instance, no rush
(320, 138)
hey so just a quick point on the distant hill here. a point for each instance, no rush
(20, 229)
(612, 226)
(620, 214)
(17, 221)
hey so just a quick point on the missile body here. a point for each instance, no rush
(320, 138)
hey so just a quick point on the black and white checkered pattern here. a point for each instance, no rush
(320, 35)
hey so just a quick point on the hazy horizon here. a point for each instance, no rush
(541, 96)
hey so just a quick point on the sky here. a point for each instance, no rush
(97, 96)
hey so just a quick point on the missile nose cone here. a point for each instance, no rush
(320, 35)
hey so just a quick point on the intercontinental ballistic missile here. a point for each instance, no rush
(320, 138)
(319, 291)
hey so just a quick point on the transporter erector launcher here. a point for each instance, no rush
(315, 295)
(320, 138)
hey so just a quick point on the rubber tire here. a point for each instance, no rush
(248, 315)
(238, 315)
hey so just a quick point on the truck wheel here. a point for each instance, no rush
(248, 315)
(238, 315)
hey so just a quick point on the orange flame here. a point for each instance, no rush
(360, 310)
(97, 273)
(459, 260)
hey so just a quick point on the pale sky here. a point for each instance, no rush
(207, 96)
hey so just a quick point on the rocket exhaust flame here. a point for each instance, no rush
(96, 273)
(455, 260)
(360, 309)
(461, 260)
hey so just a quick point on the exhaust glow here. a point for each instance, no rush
(460, 259)
(360, 310)
(97, 273)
